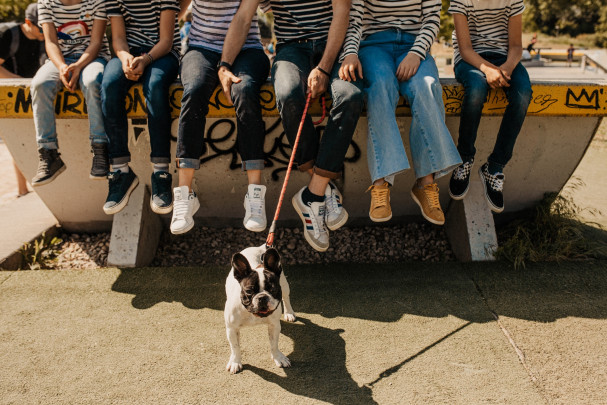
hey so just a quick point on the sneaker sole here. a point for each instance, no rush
(461, 196)
(493, 208)
(160, 210)
(341, 223)
(50, 179)
(433, 221)
(380, 219)
(253, 229)
(104, 177)
(189, 227)
(308, 238)
(125, 200)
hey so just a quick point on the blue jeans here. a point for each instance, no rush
(199, 78)
(432, 147)
(475, 95)
(293, 63)
(44, 87)
(156, 79)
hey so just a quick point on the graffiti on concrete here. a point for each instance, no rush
(583, 99)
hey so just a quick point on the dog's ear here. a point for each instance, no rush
(241, 265)
(271, 261)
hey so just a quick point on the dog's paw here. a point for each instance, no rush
(234, 366)
(281, 360)
(290, 317)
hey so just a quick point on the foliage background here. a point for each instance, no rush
(13, 10)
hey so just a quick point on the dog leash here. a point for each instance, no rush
(270, 239)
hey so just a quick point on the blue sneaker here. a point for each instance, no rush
(121, 185)
(161, 200)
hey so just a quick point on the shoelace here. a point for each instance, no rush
(114, 179)
(180, 207)
(463, 171)
(496, 181)
(332, 204)
(379, 195)
(45, 160)
(431, 193)
(256, 206)
(318, 222)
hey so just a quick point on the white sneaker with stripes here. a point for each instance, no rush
(313, 219)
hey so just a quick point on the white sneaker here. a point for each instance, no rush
(255, 207)
(185, 205)
(335, 215)
(313, 218)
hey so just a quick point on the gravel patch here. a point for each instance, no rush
(204, 245)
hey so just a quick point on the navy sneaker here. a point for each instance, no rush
(460, 180)
(121, 185)
(161, 200)
(494, 186)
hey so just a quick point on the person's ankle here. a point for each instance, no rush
(309, 197)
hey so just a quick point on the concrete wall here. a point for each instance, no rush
(562, 120)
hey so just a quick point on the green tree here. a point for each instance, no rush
(446, 23)
(13, 10)
(572, 17)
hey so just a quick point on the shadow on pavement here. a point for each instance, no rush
(317, 349)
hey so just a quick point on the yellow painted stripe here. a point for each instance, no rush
(557, 99)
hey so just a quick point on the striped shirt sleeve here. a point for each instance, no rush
(44, 13)
(517, 7)
(113, 9)
(170, 5)
(354, 33)
(458, 7)
(99, 12)
(265, 6)
(430, 27)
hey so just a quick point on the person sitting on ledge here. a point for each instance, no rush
(487, 57)
(246, 72)
(146, 40)
(78, 51)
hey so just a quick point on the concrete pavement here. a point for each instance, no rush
(406, 333)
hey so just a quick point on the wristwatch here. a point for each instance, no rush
(224, 64)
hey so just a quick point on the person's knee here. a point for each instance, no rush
(521, 94)
(245, 92)
(349, 97)
(41, 85)
(476, 91)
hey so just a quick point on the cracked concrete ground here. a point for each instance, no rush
(406, 333)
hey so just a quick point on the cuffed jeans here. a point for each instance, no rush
(156, 80)
(475, 95)
(44, 88)
(432, 147)
(199, 79)
(292, 66)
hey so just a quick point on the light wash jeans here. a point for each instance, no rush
(44, 88)
(432, 148)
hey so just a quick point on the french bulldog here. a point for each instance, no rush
(255, 288)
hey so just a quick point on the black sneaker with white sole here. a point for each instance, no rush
(121, 185)
(460, 180)
(50, 166)
(161, 200)
(101, 162)
(494, 186)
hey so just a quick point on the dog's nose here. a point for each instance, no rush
(263, 299)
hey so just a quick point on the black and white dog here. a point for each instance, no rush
(255, 288)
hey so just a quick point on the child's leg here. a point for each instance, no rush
(252, 67)
(90, 84)
(519, 97)
(44, 87)
(432, 148)
(475, 94)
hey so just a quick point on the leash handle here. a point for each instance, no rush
(270, 239)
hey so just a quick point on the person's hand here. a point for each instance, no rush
(317, 83)
(408, 67)
(495, 78)
(227, 78)
(138, 65)
(126, 66)
(506, 70)
(64, 75)
(73, 71)
(350, 67)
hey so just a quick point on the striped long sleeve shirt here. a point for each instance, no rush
(417, 17)
(487, 23)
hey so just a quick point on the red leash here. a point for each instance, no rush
(270, 240)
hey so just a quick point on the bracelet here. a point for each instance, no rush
(150, 57)
(323, 71)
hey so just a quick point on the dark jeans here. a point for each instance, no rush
(199, 79)
(156, 80)
(476, 89)
(294, 62)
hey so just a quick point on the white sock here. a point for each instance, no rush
(123, 167)
(161, 167)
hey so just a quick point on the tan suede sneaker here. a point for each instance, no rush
(427, 199)
(380, 210)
